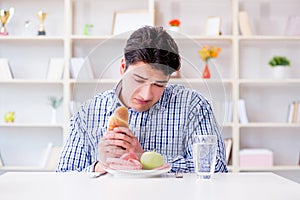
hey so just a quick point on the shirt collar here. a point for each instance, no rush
(116, 102)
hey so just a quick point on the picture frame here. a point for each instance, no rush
(128, 20)
(213, 26)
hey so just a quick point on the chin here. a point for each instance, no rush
(140, 108)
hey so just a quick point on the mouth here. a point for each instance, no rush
(141, 102)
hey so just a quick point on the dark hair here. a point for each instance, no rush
(153, 45)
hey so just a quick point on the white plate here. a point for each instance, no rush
(138, 173)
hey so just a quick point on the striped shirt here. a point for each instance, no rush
(167, 127)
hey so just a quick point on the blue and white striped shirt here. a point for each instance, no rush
(167, 127)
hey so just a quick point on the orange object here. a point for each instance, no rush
(206, 72)
(174, 22)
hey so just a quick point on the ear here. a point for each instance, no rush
(123, 66)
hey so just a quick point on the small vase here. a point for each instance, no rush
(206, 72)
(281, 72)
(53, 119)
(174, 28)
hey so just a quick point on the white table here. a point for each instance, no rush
(239, 186)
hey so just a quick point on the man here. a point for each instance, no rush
(161, 117)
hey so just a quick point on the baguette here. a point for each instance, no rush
(118, 119)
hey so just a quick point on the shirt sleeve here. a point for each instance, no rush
(201, 121)
(75, 155)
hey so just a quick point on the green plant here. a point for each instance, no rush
(55, 102)
(279, 61)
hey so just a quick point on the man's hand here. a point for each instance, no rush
(123, 137)
(116, 143)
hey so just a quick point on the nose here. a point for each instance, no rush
(146, 91)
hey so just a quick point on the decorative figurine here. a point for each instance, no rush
(42, 15)
(5, 16)
(9, 117)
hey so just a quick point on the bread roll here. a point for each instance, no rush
(118, 119)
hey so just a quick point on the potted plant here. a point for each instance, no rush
(280, 65)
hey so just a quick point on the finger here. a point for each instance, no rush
(114, 149)
(118, 143)
(125, 130)
(116, 136)
(119, 136)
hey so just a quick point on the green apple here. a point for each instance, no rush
(151, 160)
(9, 117)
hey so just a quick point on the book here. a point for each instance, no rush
(228, 148)
(298, 115)
(293, 26)
(75, 66)
(228, 111)
(56, 69)
(81, 68)
(242, 111)
(46, 155)
(295, 111)
(5, 70)
(53, 158)
(1, 161)
(290, 112)
(244, 23)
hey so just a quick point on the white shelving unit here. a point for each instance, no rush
(240, 72)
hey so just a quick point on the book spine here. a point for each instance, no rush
(290, 113)
(5, 70)
(244, 23)
(242, 111)
(295, 111)
(1, 161)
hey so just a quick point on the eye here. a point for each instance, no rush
(158, 85)
(139, 80)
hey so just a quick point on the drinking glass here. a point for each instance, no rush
(204, 155)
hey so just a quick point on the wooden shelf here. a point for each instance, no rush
(269, 125)
(29, 125)
(31, 81)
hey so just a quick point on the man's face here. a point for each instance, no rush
(142, 86)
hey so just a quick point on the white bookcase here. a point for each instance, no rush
(240, 72)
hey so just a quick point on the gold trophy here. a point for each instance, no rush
(5, 16)
(42, 15)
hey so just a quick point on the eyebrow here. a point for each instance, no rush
(157, 81)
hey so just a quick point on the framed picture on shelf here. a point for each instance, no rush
(130, 20)
(213, 26)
